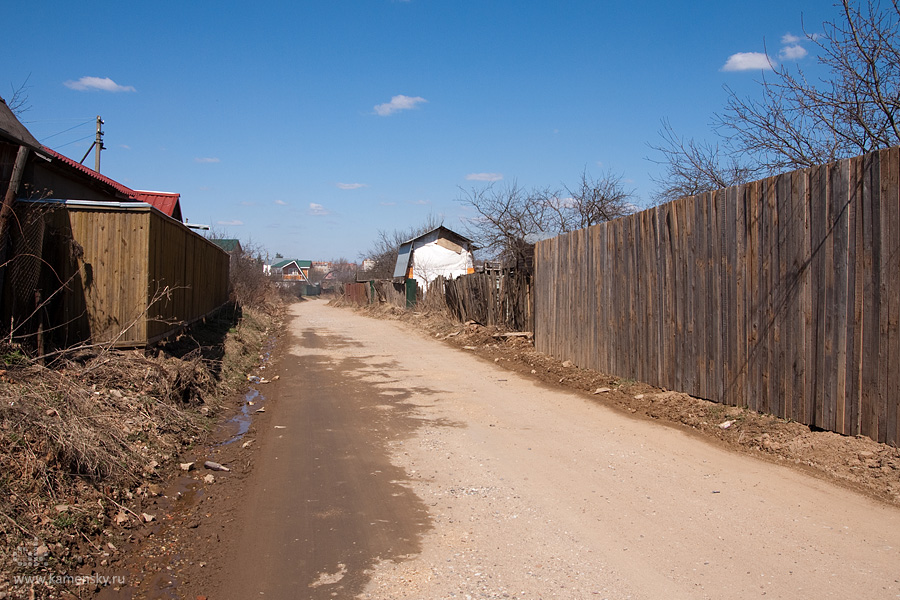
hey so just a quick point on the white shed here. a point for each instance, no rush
(440, 252)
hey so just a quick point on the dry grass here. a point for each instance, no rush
(81, 437)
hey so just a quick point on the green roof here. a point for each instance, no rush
(303, 264)
(228, 245)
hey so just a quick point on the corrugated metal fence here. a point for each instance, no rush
(781, 295)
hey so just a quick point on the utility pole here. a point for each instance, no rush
(97, 146)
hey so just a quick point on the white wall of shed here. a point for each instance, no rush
(430, 261)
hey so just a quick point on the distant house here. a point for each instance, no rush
(229, 245)
(291, 270)
(439, 253)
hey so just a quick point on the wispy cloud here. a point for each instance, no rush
(206, 160)
(281, 203)
(748, 61)
(248, 203)
(484, 176)
(795, 52)
(101, 84)
(388, 203)
(398, 103)
(791, 48)
(317, 210)
(233, 223)
(421, 202)
(351, 186)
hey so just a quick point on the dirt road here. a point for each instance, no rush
(392, 466)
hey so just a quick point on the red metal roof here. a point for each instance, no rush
(166, 202)
(126, 191)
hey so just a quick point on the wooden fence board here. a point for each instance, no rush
(730, 366)
(891, 217)
(871, 294)
(890, 279)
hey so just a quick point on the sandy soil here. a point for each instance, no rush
(388, 464)
(858, 463)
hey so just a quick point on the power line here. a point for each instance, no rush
(65, 130)
(87, 137)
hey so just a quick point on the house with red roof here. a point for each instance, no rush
(87, 258)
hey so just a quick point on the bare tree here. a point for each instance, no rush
(693, 167)
(851, 110)
(594, 201)
(509, 219)
(799, 121)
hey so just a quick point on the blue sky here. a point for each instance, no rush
(305, 127)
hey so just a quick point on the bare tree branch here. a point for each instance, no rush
(18, 102)
(695, 167)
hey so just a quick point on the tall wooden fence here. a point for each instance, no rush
(123, 274)
(781, 295)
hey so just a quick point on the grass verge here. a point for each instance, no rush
(84, 438)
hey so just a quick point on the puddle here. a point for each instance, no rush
(243, 419)
(253, 400)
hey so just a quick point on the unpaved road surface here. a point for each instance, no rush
(389, 465)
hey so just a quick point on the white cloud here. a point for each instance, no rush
(103, 84)
(281, 203)
(351, 186)
(230, 223)
(398, 103)
(790, 39)
(747, 61)
(794, 52)
(317, 209)
(208, 160)
(484, 177)
(421, 202)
